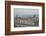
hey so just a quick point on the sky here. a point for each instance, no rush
(25, 11)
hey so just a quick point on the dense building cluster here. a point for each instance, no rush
(27, 20)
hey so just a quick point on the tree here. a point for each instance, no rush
(34, 15)
(16, 15)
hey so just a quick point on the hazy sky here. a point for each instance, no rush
(25, 11)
